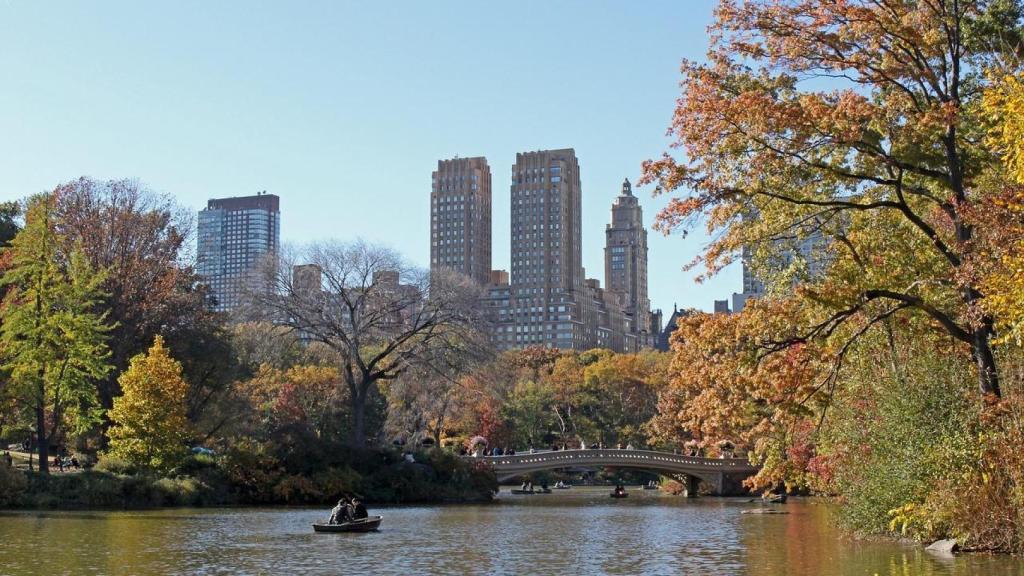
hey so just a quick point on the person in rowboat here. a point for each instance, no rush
(358, 510)
(340, 514)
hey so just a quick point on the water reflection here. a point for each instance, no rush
(576, 531)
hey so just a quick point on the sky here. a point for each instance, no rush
(344, 108)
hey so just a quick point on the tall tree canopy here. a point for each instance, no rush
(379, 315)
(857, 120)
(52, 340)
(138, 237)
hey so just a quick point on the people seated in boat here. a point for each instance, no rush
(358, 510)
(620, 489)
(523, 487)
(340, 514)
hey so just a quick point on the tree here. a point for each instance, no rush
(9, 212)
(380, 316)
(150, 427)
(725, 387)
(138, 237)
(1000, 220)
(884, 166)
(53, 340)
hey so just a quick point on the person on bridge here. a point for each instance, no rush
(583, 445)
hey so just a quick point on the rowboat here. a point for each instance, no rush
(774, 498)
(534, 491)
(370, 524)
(619, 494)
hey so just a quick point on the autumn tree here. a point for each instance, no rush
(150, 428)
(52, 340)
(379, 315)
(139, 237)
(859, 121)
(1000, 219)
(726, 386)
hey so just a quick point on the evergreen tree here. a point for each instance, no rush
(150, 424)
(52, 340)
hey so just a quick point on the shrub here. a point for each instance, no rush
(13, 484)
(115, 465)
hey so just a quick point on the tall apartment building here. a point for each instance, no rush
(547, 253)
(625, 263)
(234, 235)
(460, 217)
(811, 250)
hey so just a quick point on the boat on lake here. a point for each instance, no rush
(370, 524)
(532, 491)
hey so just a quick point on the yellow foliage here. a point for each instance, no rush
(1004, 103)
(1003, 282)
(150, 425)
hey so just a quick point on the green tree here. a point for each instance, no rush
(150, 424)
(52, 341)
(8, 222)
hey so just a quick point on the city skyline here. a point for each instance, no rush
(323, 106)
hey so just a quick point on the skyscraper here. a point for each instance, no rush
(547, 254)
(234, 235)
(810, 250)
(460, 217)
(625, 261)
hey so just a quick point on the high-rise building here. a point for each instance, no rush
(460, 217)
(547, 253)
(234, 235)
(625, 262)
(810, 250)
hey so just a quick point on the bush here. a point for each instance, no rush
(895, 434)
(12, 485)
(115, 465)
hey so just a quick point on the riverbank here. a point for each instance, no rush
(378, 476)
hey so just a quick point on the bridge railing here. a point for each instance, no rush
(615, 456)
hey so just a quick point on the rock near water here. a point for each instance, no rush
(947, 546)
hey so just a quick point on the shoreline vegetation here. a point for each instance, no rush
(377, 476)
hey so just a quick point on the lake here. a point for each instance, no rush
(577, 531)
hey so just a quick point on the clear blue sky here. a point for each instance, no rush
(344, 108)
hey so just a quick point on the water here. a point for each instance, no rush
(578, 531)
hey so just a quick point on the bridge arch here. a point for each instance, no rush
(711, 470)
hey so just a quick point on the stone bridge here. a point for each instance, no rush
(722, 475)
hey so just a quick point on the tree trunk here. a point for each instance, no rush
(44, 444)
(981, 349)
(357, 435)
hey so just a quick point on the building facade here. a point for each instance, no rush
(625, 264)
(546, 279)
(460, 217)
(545, 299)
(234, 235)
(810, 250)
